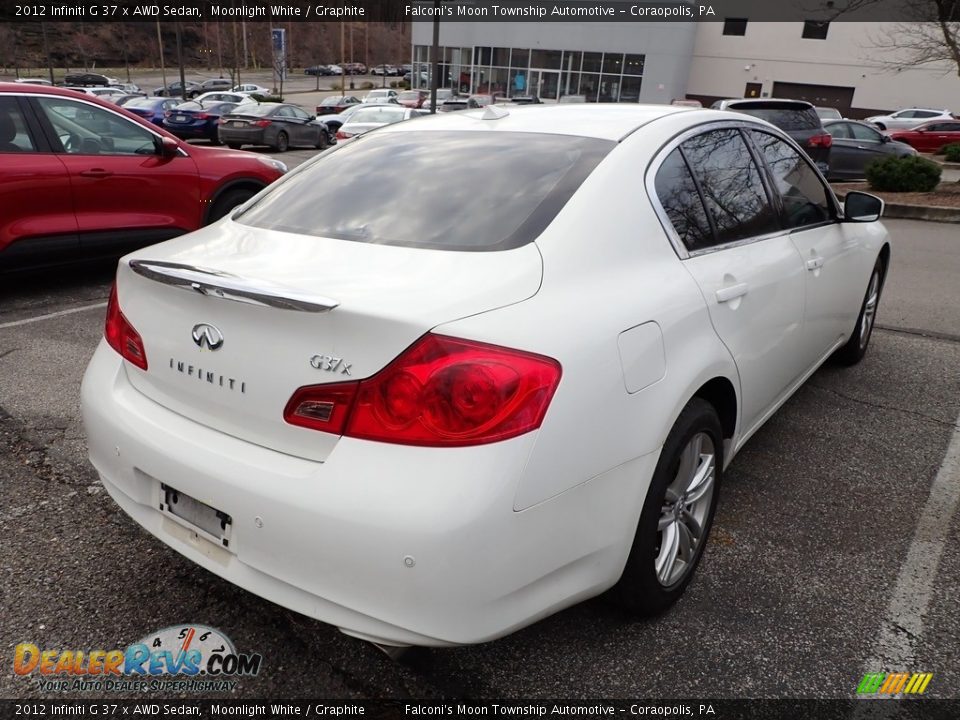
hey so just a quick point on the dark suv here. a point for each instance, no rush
(797, 118)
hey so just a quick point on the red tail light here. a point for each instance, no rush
(825, 140)
(439, 392)
(341, 135)
(167, 113)
(202, 116)
(222, 121)
(121, 335)
(263, 123)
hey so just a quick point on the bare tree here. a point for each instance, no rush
(927, 31)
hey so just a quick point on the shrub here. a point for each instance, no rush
(903, 174)
(367, 86)
(952, 151)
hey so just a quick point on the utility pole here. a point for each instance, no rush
(183, 80)
(435, 56)
(163, 70)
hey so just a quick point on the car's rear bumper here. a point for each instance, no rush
(396, 544)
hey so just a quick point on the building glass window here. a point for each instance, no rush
(481, 55)
(592, 61)
(612, 63)
(589, 86)
(815, 29)
(630, 89)
(520, 58)
(545, 59)
(735, 26)
(633, 64)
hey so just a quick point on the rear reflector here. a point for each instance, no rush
(441, 391)
(121, 335)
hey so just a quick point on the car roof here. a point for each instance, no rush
(761, 102)
(605, 122)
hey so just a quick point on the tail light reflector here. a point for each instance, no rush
(825, 140)
(441, 391)
(121, 335)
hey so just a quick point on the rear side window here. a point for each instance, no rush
(784, 117)
(679, 197)
(804, 198)
(14, 136)
(731, 185)
(444, 190)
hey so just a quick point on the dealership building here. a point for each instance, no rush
(846, 65)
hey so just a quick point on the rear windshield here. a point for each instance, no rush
(256, 110)
(409, 95)
(785, 118)
(143, 102)
(380, 114)
(444, 190)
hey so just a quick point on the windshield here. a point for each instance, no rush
(445, 190)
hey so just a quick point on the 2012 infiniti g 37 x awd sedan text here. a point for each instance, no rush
(499, 369)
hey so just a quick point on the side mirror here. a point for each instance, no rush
(168, 147)
(862, 207)
(885, 138)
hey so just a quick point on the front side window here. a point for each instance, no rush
(90, 130)
(862, 132)
(415, 189)
(803, 195)
(731, 185)
(840, 130)
(14, 136)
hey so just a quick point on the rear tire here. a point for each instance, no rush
(677, 514)
(228, 201)
(856, 347)
(881, 126)
(323, 140)
(283, 142)
(234, 146)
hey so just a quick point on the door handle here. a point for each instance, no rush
(733, 291)
(96, 173)
(815, 263)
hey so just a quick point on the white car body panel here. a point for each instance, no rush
(439, 546)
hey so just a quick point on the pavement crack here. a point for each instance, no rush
(883, 406)
(948, 337)
(7, 352)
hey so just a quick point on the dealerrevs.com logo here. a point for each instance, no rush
(182, 658)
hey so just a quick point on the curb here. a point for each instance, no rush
(930, 213)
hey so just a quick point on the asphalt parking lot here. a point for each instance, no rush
(836, 548)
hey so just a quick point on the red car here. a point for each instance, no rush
(80, 176)
(413, 98)
(931, 136)
(336, 104)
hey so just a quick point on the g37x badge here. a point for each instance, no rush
(330, 364)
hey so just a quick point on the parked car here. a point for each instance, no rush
(124, 99)
(128, 88)
(797, 118)
(929, 137)
(828, 113)
(107, 93)
(336, 104)
(221, 96)
(33, 81)
(412, 98)
(681, 102)
(354, 68)
(279, 125)
(380, 95)
(335, 69)
(371, 118)
(251, 89)
(197, 120)
(453, 104)
(482, 100)
(174, 89)
(334, 122)
(525, 100)
(388, 70)
(323, 70)
(88, 79)
(152, 108)
(856, 145)
(908, 118)
(212, 85)
(381, 357)
(80, 176)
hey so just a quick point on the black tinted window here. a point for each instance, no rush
(679, 197)
(804, 196)
(14, 136)
(446, 190)
(730, 181)
(785, 117)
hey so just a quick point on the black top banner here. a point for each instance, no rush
(192, 11)
(864, 709)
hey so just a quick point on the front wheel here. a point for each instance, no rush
(856, 347)
(228, 201)
(677, 514)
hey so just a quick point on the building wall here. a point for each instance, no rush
(668, 47)
(771, 52)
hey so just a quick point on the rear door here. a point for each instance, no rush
(749, 271)
(854, 147)
(939, 134)
(35, 196)
(120, 184)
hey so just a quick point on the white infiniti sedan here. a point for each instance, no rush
(497, 368)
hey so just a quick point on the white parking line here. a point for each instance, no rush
(902, 626)
(59, 313)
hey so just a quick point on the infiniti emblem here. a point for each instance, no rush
(207, 335)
